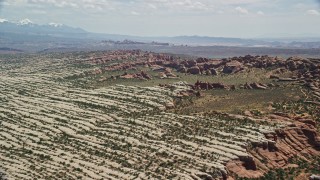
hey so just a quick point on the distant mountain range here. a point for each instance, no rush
(26, 27)
(29, 36)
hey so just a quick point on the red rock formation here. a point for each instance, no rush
(191, 63)
(207, 86)
(194, 70)
(300, 139)
(214, 71)
(182, 69)
(145, 75)
(127, 76)
(168, 72)
(232, 67)
(202, 60)
(238, 167)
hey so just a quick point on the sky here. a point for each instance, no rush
(217, 18)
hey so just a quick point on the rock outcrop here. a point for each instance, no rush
(232, 67)
(297, 140)
(199, 85)
(194, 70)
(142, 75)
(255, 86)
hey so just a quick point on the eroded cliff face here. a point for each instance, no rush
(300, 139)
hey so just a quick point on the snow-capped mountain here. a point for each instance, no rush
(27, 31)
(3, 20)
(55, 24)
(24, 22)
(27, 27)
(27, 21)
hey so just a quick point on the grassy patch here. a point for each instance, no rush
(237, 101)
(254, 75)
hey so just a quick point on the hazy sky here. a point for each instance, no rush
(228, 18)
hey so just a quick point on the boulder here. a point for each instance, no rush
(218, 86)
(158, 68)
(170, 74)
(174, 65)
(202, 60)
(274, 77)
(258, 86)
(207, 66)
(127, 76)
(191, 63)
(292, 65)
(217, 63)
(145, 75)
(183, 69)
(232, 67)
(233, 87)
(207, 72)
(202, 85)
(162, 75)
(198, 94)
(214, 71)
(207, 86)
(194, 70)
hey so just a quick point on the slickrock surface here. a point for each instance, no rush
(54, 129)
(51, 129)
